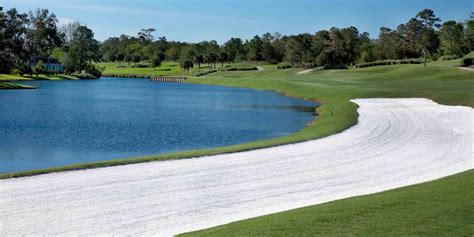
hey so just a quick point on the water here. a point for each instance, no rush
(69, 122)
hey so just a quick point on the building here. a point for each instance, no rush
(51, 64)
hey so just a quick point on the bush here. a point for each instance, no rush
(93, 70)
(240, 68)
(468, 59)
(335, 66)
(252, 68)
(16, 71)
(200, 74)
(284, 65)
(140, 65)
(389, 62)
(39, 68)
(155, 62)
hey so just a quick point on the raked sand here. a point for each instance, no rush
(397, 142)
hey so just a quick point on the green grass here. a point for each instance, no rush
(7, 77)
(8, 85)
(439, 208)
(332, 88)
(448, 63)
(166, 68)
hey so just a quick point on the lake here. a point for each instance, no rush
(69, 122)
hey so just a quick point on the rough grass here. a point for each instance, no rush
(333, 89)
(438, 208)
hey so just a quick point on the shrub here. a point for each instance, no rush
(140, 65)
(93, 70)
(335, 66)
(39, 68)
(155, 62)
(389, 62)
(15, 71)
(252, 68)
(468, 59)
(284, 65)
(200, 74)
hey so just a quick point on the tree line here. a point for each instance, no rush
(30, 40)
(423, 36)
(27, 37)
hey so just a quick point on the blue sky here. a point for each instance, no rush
(193, 21)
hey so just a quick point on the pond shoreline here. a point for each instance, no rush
(164, 156)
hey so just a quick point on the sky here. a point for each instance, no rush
(198, 20)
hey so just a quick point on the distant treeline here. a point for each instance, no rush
(25, 38)
(421, 36)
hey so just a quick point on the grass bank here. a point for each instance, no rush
(7, 77)
(8, 85)
(439, 208)
(333, 89)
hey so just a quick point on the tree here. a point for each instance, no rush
(293, 52)
(387, 44)
(128, 59)
(408, 36)
(223, 57)
(469, 34)
(39, 68)
(198, 58)
(351, 39)
(187, 65)
(68, 31)
(268, 51)
(234, 49)
(84, 48)
(212, 58)
(12, 40)
(334, 45)
(452, 38)
(145, 35)
(43, 34)
(428, 41)
(255, 46)
(155, 62)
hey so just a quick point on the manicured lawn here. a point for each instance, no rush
(166, 68)
(439, 208)
(450, 63)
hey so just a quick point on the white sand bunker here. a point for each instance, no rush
(397, 142)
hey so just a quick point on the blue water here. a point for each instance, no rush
(69, 122)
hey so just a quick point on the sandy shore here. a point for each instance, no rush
(397, 142)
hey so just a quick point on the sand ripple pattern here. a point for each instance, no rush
(397, 142)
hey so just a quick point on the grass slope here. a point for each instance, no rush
(7, 85)
(438, 208)
(7, 77)
(334, 89)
